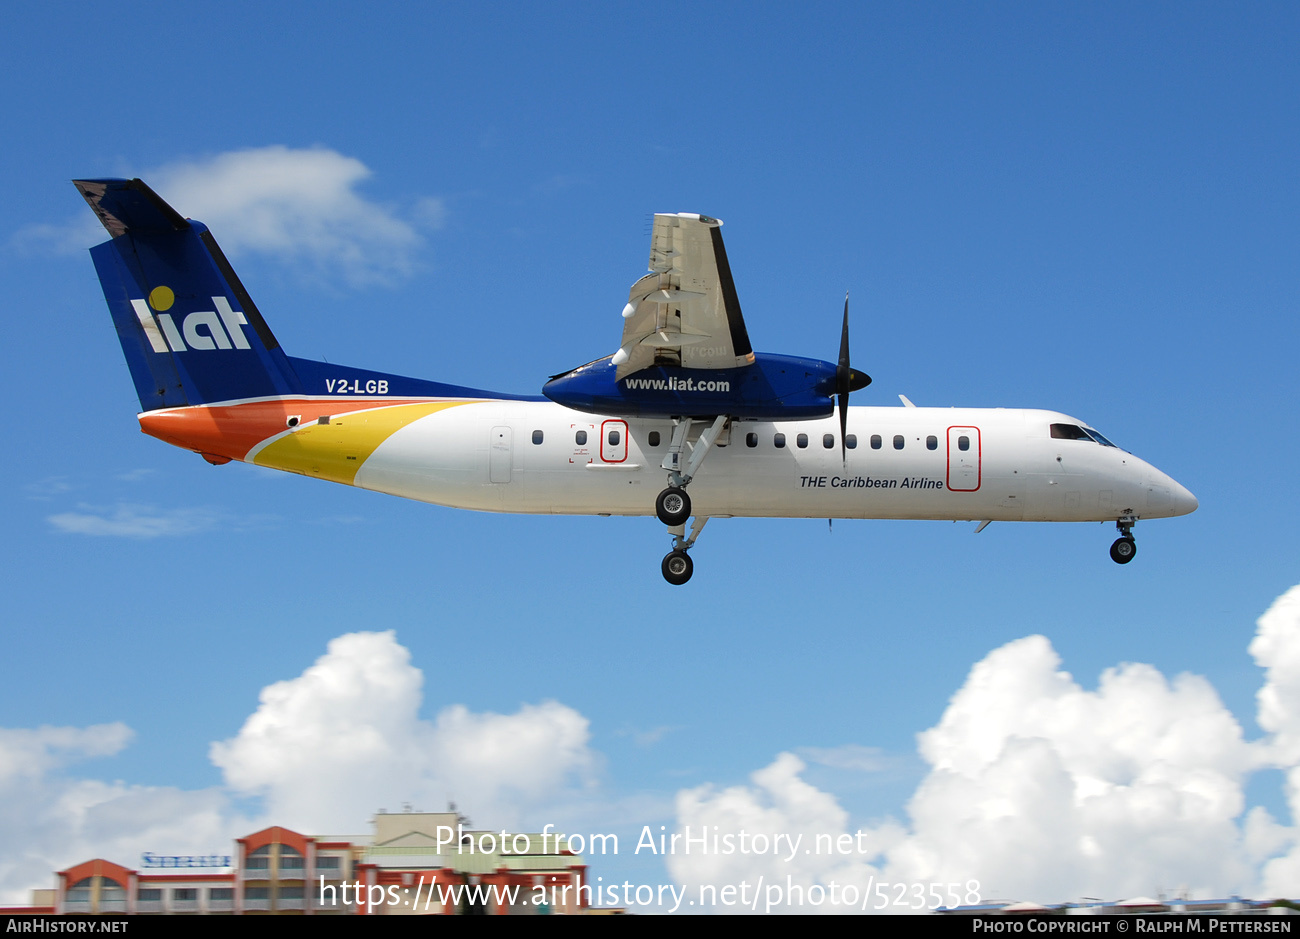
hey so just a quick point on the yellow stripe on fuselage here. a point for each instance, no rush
(335, 451)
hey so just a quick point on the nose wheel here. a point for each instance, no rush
(1125, 548)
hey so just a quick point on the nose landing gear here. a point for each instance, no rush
(1125, 548)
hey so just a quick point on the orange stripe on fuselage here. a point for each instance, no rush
(234, 429)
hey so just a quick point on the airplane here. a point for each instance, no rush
(684, 400)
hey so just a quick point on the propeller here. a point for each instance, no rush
(846, 379)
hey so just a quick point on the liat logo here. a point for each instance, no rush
(202, 329)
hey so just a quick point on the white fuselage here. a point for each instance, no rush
(953, 463)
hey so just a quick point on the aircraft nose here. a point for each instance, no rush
(1184, 502)
(1167, 498)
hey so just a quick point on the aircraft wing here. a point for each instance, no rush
(685, 311)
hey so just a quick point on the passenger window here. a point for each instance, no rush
(875, 441)
(963, 442)
(751, 440)
(537, 436)
(778, 441)
(828, 441)
(654, 438)
(851, 441)
(580, 438)
(614, 437)
(932, 442)
(898, 441)
(802, 441)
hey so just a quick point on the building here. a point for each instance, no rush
(414, 863)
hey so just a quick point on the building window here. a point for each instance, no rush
(328, 863)
(537, 436)
(185, 894)
(654, 438)
(80, 891)
(932, 442)
(148, 894)
(580, 438)
(751, 440)
(257, 893)
(778, 441)
(802, 441)
(875, 441)
(221, 894)
(851, 441)
(898, 441)
(291, 893)
(259, 860)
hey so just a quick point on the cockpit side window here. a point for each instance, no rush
(1099, 438)
(1069, 432)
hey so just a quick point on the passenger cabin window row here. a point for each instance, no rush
(1060, 431)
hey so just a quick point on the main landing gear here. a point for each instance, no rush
(1125, 548)
(673, 506)
(677, 566)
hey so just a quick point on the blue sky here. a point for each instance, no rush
(1086, 207)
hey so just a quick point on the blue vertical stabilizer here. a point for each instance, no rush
(189, 330)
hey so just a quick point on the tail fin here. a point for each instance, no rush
(190, 332)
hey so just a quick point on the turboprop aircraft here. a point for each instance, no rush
(685, 400)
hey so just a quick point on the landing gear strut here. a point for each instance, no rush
(673, 506)
(677, 566)
(1125, 548)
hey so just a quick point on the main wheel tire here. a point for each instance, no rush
(1123, 550)
(677, 567)
(673, 506)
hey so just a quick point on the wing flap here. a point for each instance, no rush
(685, 311)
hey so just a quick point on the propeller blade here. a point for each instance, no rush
(843, 379)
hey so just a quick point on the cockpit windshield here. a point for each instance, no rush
(1075, 432)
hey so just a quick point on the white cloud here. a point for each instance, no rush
(324, 750)
(301, 206)
(49, 820)
(779, 857)
(1041, 789)
(344, 739)
(1276, 649)
(131, 520)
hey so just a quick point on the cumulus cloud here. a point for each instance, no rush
(1276, 649)
(323, 750)
(345, 738)
(302, 206)
(50, 820)
(1041, 789)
